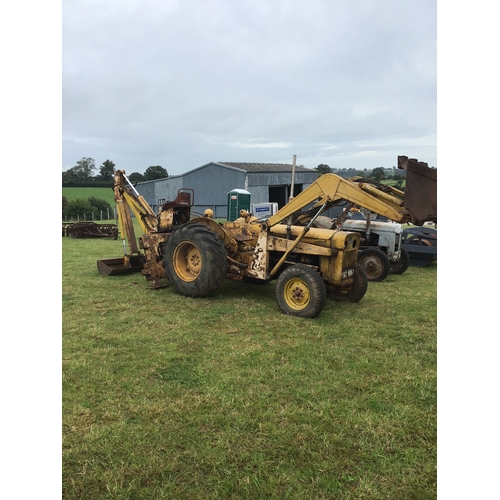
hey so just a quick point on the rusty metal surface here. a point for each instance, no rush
(421, 245)
(121, 265)
(89, 230)
(420, 190)
(153, 271)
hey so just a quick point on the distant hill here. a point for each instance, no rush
(106, 194)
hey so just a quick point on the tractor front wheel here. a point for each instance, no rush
(356, 291)
(300, 291)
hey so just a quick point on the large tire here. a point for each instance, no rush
(402, 264)
(300, 291)
(195, 260)
(375, 263)
(356, 291)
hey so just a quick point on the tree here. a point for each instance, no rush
(400, 185)
(84, 169)
(80, 207)
(99, 204)
(155, 172)
(378, 174)
(64, 204)
(323, 169)
(107, 171)
(69, 175)
(135, 177)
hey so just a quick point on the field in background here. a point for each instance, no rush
(105, 194)
(224, 397)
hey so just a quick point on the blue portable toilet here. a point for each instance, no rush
(237, 199)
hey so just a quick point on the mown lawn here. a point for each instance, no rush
(167, 397)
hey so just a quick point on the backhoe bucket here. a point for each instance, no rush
(122, 265)
(420, 190)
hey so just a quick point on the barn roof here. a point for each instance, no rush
(266, 167)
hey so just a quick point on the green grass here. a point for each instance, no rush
(106, 194)
(393, 182)
(225, 398)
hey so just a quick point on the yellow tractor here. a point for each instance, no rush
(195, 255)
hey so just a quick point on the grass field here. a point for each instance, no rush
(168, 397)
(105, 194)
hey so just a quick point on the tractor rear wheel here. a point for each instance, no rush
(401, 265)
(356, 291)
(195, 260)
(375, 263)
(300, 291)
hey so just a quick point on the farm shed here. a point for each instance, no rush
(266, 182)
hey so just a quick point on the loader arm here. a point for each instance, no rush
(330, 189)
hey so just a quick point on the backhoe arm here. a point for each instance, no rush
(128, 199)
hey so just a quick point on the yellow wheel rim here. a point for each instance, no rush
(296, 294)
(187, 261)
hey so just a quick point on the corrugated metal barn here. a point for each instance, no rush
(211, 183)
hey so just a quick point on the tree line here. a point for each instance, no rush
(82, 207)
(84, 174)
(377, 174)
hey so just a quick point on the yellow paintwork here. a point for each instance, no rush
(187, 261)
(296, 294)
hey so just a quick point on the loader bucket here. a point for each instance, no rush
(420, 190)
(122, 265)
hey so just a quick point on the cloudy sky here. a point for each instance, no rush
(180, 83)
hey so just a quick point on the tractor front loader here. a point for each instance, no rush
(381, 245)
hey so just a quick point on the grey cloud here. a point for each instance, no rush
(180, 84)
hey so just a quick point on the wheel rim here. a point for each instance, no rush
(372, 266)
(398, 264)
(427, 243)
(187, 261)
(296, 294)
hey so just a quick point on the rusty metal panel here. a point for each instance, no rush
(420, 191)
(347, 245)
(121, 265)
(306, 246)
(89, 230)
(258, 267)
